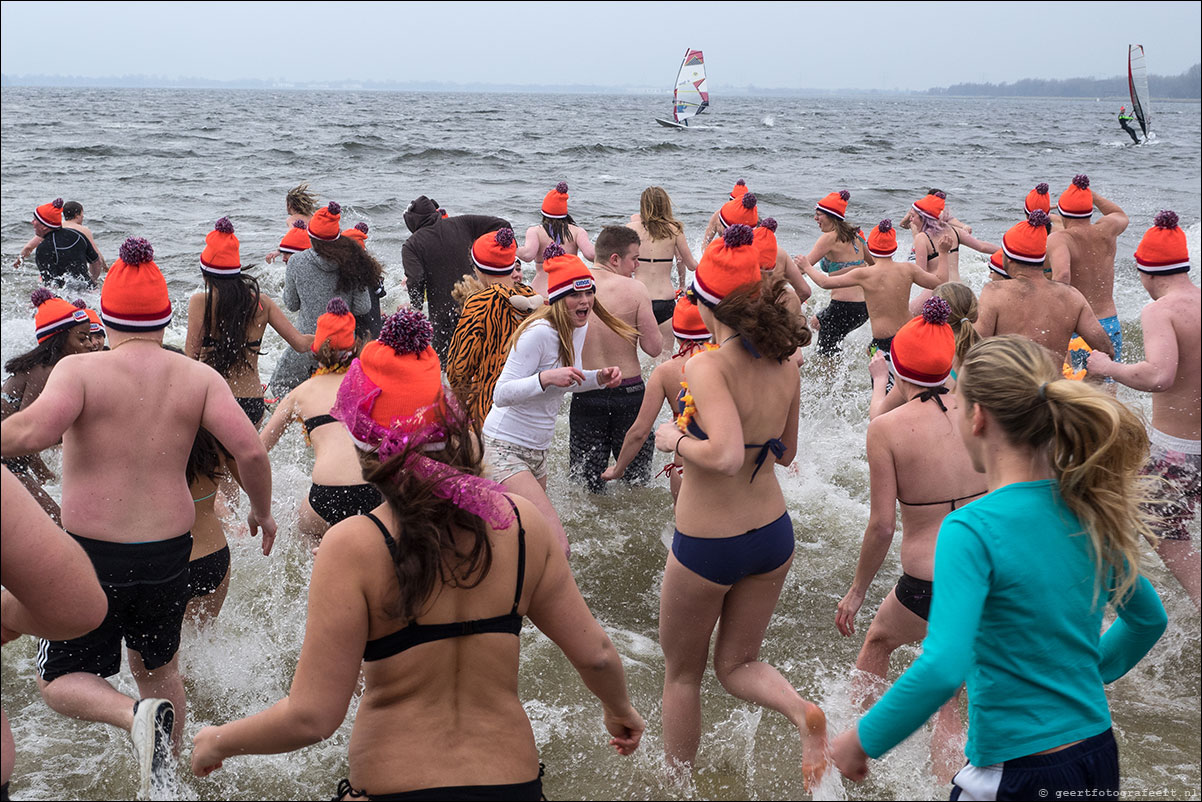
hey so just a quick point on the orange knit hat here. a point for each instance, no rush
(325, 225)
(50, 214)
(1077, 200)
(931, 206)
(357, 232)
(1163, 250)
(1027, 242)
(835, 204)
(555, 203)
(740, 189)
(404, 367)
(53, 314)
(565, 273)
(1038, 198)
(297, 238)
(997, 265)
(923, 349)
(220, 258)
(495, 252)
(94, 320)
(687, 323)
(739, 211)
(134, 296)
(730, 262)
(336, 326)
(882, 241)
(765, 243)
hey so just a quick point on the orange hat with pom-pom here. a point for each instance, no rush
(997, 265)
(357, 232)
(336, 326)
(565, 273)
(687, 323)
(494, 253)
(764, 240)
(730, 262)
(1027, 242)
(297, 238)
(923, 349)
(405, 369)
(53, 314)
(555, 203)
(882, 241)
(930, 206)
(740, 211)
(835, 204)
(1077, 200)
(326, 223)
(50, 214)
(1038, 198)
(134, 296)
(220, 258)
(1163, 250)
(739, 190)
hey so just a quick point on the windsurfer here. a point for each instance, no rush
(1125, 121)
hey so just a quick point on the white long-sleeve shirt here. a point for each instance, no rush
(523, 411)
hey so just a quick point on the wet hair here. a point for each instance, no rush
(558, 230)
(357, 269)
(757, 311)
(844, 231)
(230, 307)
(964, 311)
(425, 557)
(614, 239)
(1093, 442)
(300, 200)
(655, 209)
(207, 459)
(72, 210)
(558, 316)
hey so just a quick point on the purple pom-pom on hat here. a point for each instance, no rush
(769, 223)
(1166, 219)
(136, 251)
(224, 226)
(941, 195)
(337, 306)
(301, 224)
(738, 235)
(57, 203)
(504, 237)
(334, 208)
(749, 201)
(79, 303)
(844, 194)
(1039, 218)
(40, 296)
(740, 183)
(1081, 181)
(936, 311)
(407, 332)
(553, 250)
(361, 226)
(1041, 188)
(562, 187)
(885, 226)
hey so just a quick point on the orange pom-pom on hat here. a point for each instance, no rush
(220, 257)
(52, 314)
(494, 253)
(326, 223)
(297, 238)
(740, 189)
(1027, 242)
(403, 365)
(50, 214)
(835, 204)
(555, 203)
(730, 262)
(687, 323)
(336, 326)
(565, 273)
(134, 296)
(923, 349)
(1077, 200)
(930, 206)
(997, 265)
(1038, 198)
(764, 241)
(740, 211)
(357, 232)
(1163, 250)
(882, 241)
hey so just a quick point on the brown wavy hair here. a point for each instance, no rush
(300, 200)
(357, 269)
(655, 209)
(757, 311)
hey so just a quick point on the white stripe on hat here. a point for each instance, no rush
(113, 320)
(831, 212)
(45, 222)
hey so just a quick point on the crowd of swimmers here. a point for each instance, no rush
(429, 495)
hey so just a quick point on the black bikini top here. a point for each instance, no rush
(932, 394)
(309, 424)
(209, 342)
(415, 633)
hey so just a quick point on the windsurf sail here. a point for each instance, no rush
(1137, 80)
(691, 96)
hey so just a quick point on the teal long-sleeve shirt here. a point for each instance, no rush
(1017, 615)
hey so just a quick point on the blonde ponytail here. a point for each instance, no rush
(963, 315)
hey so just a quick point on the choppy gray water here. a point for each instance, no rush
(166, 164)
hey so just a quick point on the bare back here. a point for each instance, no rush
(1091, 248)
(656, 260)
(886, 286)
(628, 300)
(1176, 410)
(1039, 309)
(335, 457)
(571, 247)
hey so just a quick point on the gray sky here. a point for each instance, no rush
(829, 45)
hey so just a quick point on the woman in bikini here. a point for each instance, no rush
(337, 490)
(226, 322)
(840, 247)
(557, 227)
(209, 563)
(739, 420)
(662, 245)
(937, 240)
(915, 460)
(425, 597)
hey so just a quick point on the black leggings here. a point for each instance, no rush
(597, 425)
(837, 321)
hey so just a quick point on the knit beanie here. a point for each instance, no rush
(1077, 200)
(325, 224)
(740, 211)
(50, 214)
(94, 324)
(357, 232)
(1038, 198)
(495, 252)
(404, 367)
(997, 265)
(835, 204)
(555, 203)
(297, 238)
(1027, 242)
(1163, 250)
(53, 314)
(740, 189)
(923, 349)
(882, 241)
(730, 262)
(764, 241)
(565, 273)
(220, 257)
(337, 326)
(134, 296)
(930, 207)
(687, 323)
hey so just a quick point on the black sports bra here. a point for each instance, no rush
(414, 634)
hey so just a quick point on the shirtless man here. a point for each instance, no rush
(599, 419)
(1030, 303)
(1172, 341)
(1082, 253)
(886, 284)
(73, 219)
(127, 418)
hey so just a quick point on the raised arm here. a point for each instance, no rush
(923, 278)
(792, 274)
(978, 245)
(301, 343)
(1114, 219)
(1157, 372)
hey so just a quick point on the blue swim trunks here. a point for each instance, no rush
(1111, 324)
